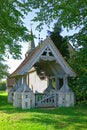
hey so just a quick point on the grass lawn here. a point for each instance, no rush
(72, 118)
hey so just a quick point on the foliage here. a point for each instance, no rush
(62, 118)
(2, 86)
(12, 29)
(79, 85)
(71, 14)
(3, 69)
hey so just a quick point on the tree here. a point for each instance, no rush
(12, 30)
(71, 14)
(60, 42)
(79, 85)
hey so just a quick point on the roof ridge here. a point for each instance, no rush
(35, 52)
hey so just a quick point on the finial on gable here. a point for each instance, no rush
(40, 39)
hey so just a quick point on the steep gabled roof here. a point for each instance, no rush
(35, 55)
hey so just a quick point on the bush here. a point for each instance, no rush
(2, 86)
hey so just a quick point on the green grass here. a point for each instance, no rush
(72, 118)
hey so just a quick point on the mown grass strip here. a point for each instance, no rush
(71, 118)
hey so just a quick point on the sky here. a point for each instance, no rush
(13, 64)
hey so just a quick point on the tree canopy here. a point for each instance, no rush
(12, 30)
(70, 14)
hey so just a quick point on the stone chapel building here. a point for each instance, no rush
(37, 80)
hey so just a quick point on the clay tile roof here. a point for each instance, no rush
(29, 57)
(11, 77)
(32, 54)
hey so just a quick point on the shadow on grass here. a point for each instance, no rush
(7, 107)
(58, 119)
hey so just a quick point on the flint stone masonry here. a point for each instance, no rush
(23, 96)
(66, 99)
(28, 100)
(11, 92)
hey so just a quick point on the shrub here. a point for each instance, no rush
(2, 86)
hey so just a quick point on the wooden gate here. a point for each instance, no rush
(45, 100)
